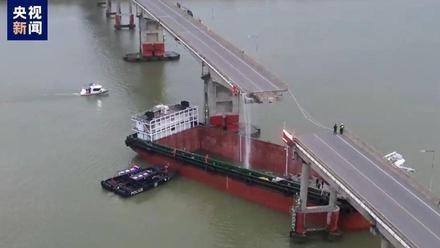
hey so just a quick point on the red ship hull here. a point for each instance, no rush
(265, 156)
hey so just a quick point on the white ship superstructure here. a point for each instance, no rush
(164, 120)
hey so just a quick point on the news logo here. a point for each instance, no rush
(27, 19)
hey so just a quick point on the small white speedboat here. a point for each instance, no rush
(93, 89)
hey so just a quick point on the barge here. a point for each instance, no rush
(121, 176)
(172, 135)
(136, 180)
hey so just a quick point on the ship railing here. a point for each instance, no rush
(147, 130)
(188, 112)
(167, 124)
(157, 127)
(170, 130)
(390, 167)
(249, 176)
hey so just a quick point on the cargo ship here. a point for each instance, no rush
(214, 154)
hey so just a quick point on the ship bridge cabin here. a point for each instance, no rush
(165, 120)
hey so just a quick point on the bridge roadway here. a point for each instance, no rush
(229, 62)
(411, 216)
(396, 202)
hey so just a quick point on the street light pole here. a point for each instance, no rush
(432, 166)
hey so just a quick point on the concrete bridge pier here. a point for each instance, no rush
(131, 16)
(302, 209)
(220, 102)
(151, 40)
(333, 215)
(118, 17)
(305, 175)
(108, 8)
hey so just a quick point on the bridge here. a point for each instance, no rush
(400, 210)
(231, 64)
(403, 213)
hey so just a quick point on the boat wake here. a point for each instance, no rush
(37, 97)
(67, 94)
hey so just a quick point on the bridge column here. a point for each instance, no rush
(208, 93)
(118, 16)
(301, 210)
(108, 8)
(151, 41)
(219, 101)
(333, 215)
(305, 175)
(131, 24)
(332, 198)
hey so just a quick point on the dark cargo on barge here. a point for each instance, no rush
(138, 180)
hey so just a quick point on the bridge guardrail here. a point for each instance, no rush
(388, 166)
(359, 198)
(177, 36)
(269, 75)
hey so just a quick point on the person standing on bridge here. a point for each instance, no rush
(341, 128)
(335, 129)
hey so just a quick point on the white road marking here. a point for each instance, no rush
(177, 36)
(355, 198)
(206, 45)
(362, 174)
(386, 173)
(229, 51)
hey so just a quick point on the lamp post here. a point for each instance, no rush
(432, 166)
